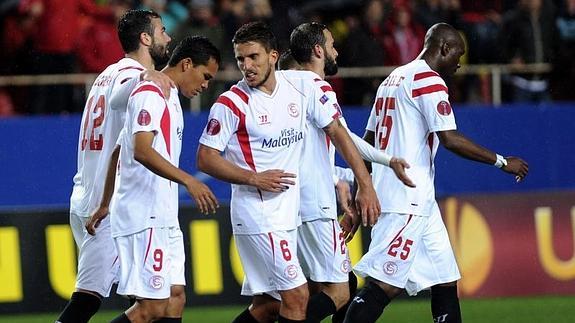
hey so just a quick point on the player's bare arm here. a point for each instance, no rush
(366, 199)
(462, 146)
(146, 155)
(103, 210)
(211, 162)
(397, 164)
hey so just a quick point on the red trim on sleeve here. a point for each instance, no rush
(327, 88)
(148, 87)
(429, 89)
(165, 126)
(242, 132)
(422, 75)
(130, 67)
(240, 93)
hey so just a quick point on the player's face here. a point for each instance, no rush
(197, 78)
(160, 41)
(330, 67)
(255, 63)
(453, 56)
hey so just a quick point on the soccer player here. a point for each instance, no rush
(144, 209)
(321, 243)
(259, 125)
(410, 248)
(145, 43)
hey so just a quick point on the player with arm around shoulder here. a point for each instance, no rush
(145, 42)
(410, 248)
(144, 208)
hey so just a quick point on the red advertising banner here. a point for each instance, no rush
(513, 244)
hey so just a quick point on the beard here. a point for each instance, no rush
(160, 54)
(330, 67)
(266, 77)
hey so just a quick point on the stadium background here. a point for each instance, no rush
(511, 240)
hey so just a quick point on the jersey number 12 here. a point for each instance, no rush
(94, 119)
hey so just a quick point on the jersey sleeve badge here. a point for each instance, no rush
(144, 118)
(444, 108)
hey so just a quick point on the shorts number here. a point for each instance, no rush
(342, 243)
(285, 251)
(397, 244)
(158, 259)
(99, 110)
(384, 127)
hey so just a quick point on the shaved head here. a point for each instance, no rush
(442, 33)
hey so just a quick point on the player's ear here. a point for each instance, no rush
(146, 39)
(186, 64)
(317, 50)
(445, 48)
(274, 56)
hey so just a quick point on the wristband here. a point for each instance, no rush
(500, 162)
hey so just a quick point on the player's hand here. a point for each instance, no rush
(201, 193)
(344, 197)
(349, 225)
(95, 219)
(272, 180)
(367, 205)
(517, 167)
(399, 165)
(162, 80)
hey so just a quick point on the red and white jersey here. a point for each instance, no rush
(102, 121)
(143, 199)
(317, 191)
(410, 106)
(257, 131)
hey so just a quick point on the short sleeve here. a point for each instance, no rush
(432, 99)
(147, 107)
(323, 106)
(222, 124)
(124, 83)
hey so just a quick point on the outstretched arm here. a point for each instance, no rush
(366, 199)
(454, 141)
(397, 164)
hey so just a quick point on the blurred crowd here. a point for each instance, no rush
(79, 36)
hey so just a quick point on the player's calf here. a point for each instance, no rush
(368, 304)
(81, 307)
(445, 304)
(294, 304)
(339, 315)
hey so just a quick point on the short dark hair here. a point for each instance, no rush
(258, 32)
(199, 48)
(132, 24)
(303, 39)
(287, 62)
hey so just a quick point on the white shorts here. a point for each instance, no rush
(151, 261)
(411, 252)
(270, 262)
(97, 259)
(322, 251)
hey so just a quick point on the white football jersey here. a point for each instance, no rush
(257, 131)
(143, 199)
(318, 200)
(102, 121)
(411, 104)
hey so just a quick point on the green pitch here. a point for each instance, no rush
(502, 310)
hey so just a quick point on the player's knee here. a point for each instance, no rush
(296, 299)
(178, 297)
